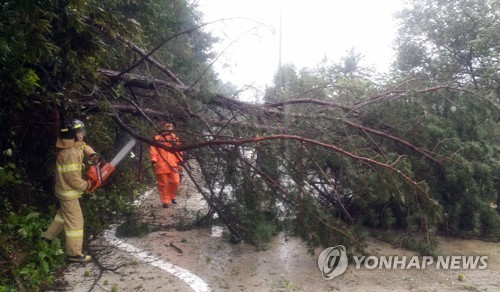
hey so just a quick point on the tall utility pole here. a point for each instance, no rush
(281, 22)
(281, 77)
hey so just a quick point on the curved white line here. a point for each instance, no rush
(195, 282)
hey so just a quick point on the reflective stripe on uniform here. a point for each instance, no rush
(69, 167)
(74, 233)
(70, 194)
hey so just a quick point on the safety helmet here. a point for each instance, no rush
(70, 128)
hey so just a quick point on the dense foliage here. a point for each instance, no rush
(331, 152)
(51, 54)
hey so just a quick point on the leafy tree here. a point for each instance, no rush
(451, 41)
(456, 42)
(52, 57)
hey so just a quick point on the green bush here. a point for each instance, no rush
(26, 261)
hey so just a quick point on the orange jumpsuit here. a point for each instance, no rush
(166, 166)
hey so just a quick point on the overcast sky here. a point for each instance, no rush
(311, 30)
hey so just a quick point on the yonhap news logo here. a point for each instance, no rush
(333, 262)
(422, 262)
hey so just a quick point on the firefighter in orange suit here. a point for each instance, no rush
(69, 188)
(166, 164)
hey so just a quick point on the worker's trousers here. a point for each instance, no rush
(69, 218)
(168, 183)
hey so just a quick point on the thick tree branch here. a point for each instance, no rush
(243, 141)
(425, 153)
(140, 81)
(308, 101)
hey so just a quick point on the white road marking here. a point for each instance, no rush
(195, 282)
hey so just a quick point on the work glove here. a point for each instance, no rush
(89, 187)
(93, 158)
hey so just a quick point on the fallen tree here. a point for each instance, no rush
(329, 165)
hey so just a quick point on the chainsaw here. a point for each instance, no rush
(101, 170)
